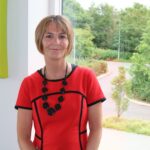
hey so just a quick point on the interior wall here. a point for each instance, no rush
(17, 49)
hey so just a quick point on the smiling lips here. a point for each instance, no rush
(54, 49)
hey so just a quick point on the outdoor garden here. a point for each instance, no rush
(103, 33)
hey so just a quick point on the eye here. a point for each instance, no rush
(63, 36)
(48, 36)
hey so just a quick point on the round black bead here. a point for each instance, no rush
(64, 82)
(62, 90)
(44, 82)
(60, 99)
(57, 106)
(44, 97)
(44, 89)
(51, 111)
(45, 105)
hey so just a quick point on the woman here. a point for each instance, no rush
(60, 98)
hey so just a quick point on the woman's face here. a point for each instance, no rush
(55, 42)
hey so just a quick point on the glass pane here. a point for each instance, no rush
(113, 38)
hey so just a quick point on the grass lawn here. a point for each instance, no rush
(134, 126)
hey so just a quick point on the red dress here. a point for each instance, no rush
(66, 130)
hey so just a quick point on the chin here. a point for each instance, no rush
(57, 58)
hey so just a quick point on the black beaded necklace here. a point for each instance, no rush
(51, 110)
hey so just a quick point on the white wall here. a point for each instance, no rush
(55, 7)
(17, 64)
(23, 59)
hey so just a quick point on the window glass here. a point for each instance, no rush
(114, 42)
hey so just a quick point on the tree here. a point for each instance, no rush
(109, 26)
(103, 24)
(83, 42)
(78, 16)
(133, 21)
(119, 92)
(143, 48)
(140, 70)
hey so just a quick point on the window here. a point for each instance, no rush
(106, 37)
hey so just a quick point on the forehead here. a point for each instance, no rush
(55, 27)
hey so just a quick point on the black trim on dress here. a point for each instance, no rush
(37, 136)
(81, 109)
(41, 128)
(98, 101)
(73, 68)
(22, 107)
(83, 132)
(55, 93)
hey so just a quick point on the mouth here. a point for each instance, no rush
(54, 49)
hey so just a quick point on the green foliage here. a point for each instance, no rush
(144, 46)
(133, 21)
(134, 126)
(140, 80)
(107, 54)
(119, 92)
(140, 70)
(102, 23)
(77, 15)
(83, 43)
(105, 23)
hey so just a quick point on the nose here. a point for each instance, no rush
(56, 39)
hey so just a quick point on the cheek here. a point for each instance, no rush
(64, 44)
(44, 44)
(67, 44)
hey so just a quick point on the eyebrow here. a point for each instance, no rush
(54, 33)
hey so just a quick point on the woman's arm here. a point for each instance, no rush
(24, 126)
(95, 126)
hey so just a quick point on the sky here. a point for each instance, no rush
(118, 4)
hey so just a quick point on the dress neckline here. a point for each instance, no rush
(55, 80)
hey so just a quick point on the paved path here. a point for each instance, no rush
(117, 140)
(135, 111)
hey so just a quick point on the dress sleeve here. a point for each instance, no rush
(23, 99)
(94, 91)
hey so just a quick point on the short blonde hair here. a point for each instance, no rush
(59, 20)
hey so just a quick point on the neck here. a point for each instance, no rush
(55, 70)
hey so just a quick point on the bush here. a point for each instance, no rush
(119, 92)
(99, 67)
(110, 54)
(140, 83)
(104, 54)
